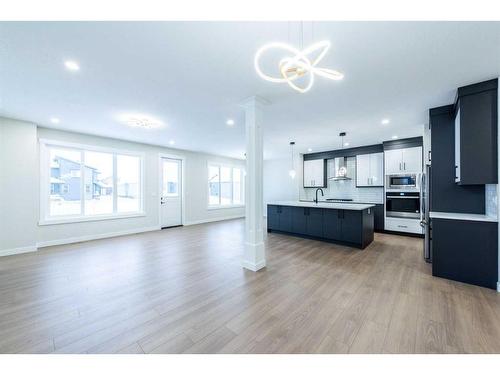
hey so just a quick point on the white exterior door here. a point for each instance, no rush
(412, 159)
(171, 192)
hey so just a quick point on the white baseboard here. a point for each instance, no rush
(18, 250)
(65, 241)
(253, 266)
(213, 219)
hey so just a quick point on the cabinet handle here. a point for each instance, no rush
(400, 166)
(402, 226)
(404, 166)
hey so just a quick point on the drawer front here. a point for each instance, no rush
(403, 225)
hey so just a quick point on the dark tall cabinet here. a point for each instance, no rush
(476, 116)
(445, 194)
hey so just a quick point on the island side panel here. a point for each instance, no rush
(368, 227)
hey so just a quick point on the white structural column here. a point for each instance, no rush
(254, 257)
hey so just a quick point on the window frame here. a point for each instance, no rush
(44, 152)
(220, 206)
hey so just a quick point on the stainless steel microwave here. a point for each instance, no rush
(402, 181)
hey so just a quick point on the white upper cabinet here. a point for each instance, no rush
(314, 173)
(403, 160)
(370, 170)
(377, 169)
(393, 161)
(363, 170)
(412, 159)
(457, 147)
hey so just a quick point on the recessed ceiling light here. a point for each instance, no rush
(55, 120)
(346, 144)
(230, 122)
(385, 121)
(72, 65)
(309, 149)
(171, 142)
(138, 120)
(394, 137)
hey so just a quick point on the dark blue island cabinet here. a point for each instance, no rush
(349, 227)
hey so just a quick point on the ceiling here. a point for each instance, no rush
(193, 75)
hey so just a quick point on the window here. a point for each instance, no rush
(98, 172)
(85, 183)
(170, 178)
(128, 183)
(225, 186)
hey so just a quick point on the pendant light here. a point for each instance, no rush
(342, 171)
(292, 171)
(297, 63)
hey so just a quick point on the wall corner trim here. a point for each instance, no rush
(18, 250)
(498, 287)
(65, 241)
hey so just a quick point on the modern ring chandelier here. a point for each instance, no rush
(298, 65)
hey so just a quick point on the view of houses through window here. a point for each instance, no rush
(225, 185)
(83, 183)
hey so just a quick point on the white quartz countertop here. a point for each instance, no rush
(457, 216)
(337, 206)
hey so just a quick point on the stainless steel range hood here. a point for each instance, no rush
(340, 169)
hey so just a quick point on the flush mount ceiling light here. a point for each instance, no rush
(297, 65)
(140, 121)
(55, 120)
(385, 121)
(309, 149)
(230, 122)
(171, 142)
(394, 137)
(72, 65)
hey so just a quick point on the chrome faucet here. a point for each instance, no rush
(318, 189)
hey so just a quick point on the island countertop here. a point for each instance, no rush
(335, 206)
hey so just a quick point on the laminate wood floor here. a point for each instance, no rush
(182, 290)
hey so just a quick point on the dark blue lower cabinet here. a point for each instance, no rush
(285, 224)
(299, 220)
(332, 226)
(273, 217)
(465, 251)
(352, 226)
(315, 222)
(347, 226)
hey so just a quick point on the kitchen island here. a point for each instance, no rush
(350, 224)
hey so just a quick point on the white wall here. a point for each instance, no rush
(20, 146)
(278, 185)
(18, 186)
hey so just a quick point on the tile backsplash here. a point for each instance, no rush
(491, 202)
(346, 189)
